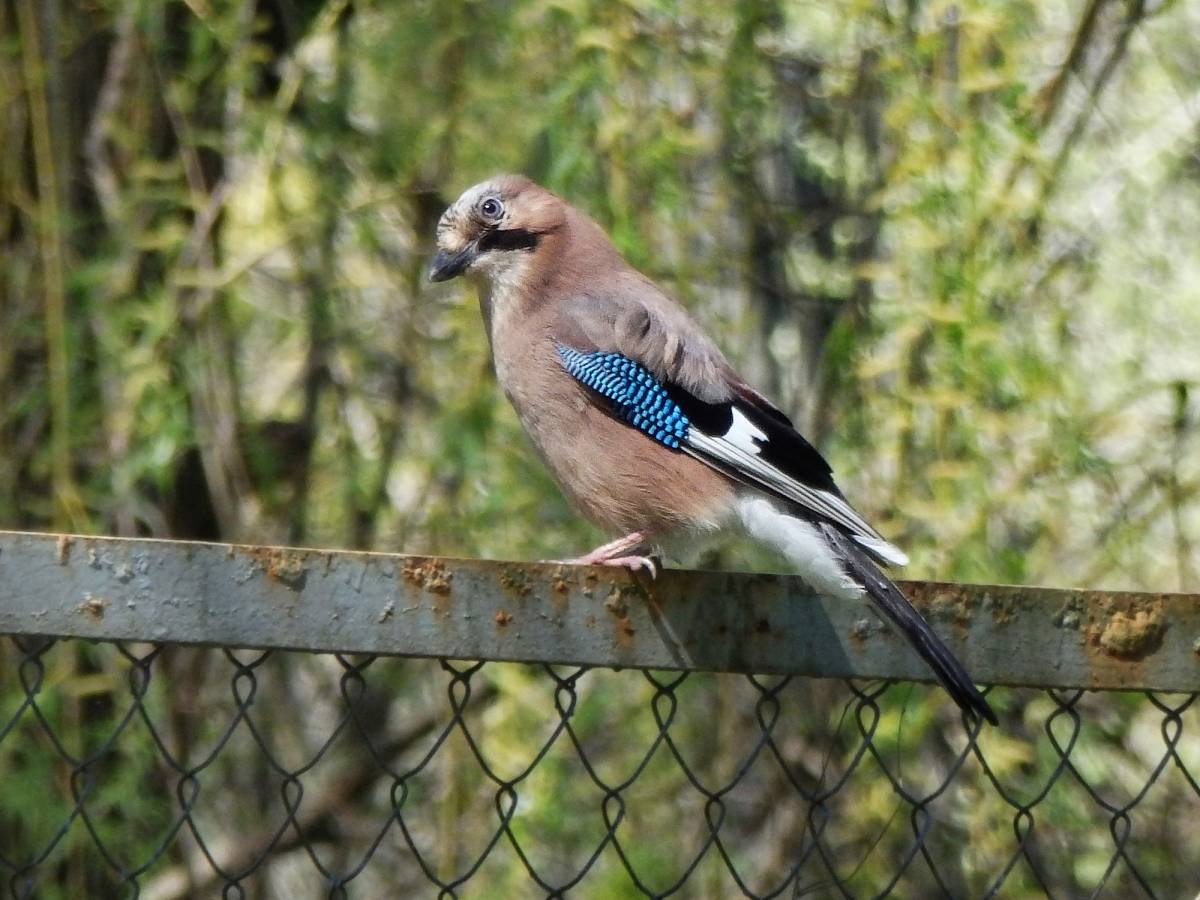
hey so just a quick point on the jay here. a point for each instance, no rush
(649, 430)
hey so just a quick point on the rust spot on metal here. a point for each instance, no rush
(94, 606)
(615, 603)
(62, 549)
(284, 566)
(428, 574)
(560, 582)
(502, 617)
(1003, 607)
(589, 583)
(618, 608)
(515, 581)
(1133, 636)
(943, 601)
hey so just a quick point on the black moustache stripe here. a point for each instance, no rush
(509, 239)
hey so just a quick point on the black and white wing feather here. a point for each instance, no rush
(752, 441)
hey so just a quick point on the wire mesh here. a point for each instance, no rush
(162, 771)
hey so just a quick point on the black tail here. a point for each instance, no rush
(901, 613)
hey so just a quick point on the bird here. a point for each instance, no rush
(646, 426)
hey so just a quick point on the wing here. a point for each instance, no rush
(665, 378)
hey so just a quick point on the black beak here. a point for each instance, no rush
(448, 265)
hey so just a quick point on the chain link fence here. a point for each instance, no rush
(158, 771)
(134, 763)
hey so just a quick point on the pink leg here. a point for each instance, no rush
(614, 553)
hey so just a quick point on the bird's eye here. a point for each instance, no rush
(492, 208)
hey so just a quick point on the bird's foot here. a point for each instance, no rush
(632, 563)
(616, 553)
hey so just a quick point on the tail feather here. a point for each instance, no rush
(901, 613)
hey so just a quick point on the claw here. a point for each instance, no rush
(611, 555)
(633, 563)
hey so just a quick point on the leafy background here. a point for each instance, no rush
(955, 240)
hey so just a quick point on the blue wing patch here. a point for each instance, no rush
(638, 397)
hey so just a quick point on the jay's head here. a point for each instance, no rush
(494, 227)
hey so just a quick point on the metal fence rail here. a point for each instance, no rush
(159, 762)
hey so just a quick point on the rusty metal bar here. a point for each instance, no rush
(319, 600)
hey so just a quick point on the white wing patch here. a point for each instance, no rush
(735, 450)
(742, 433)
